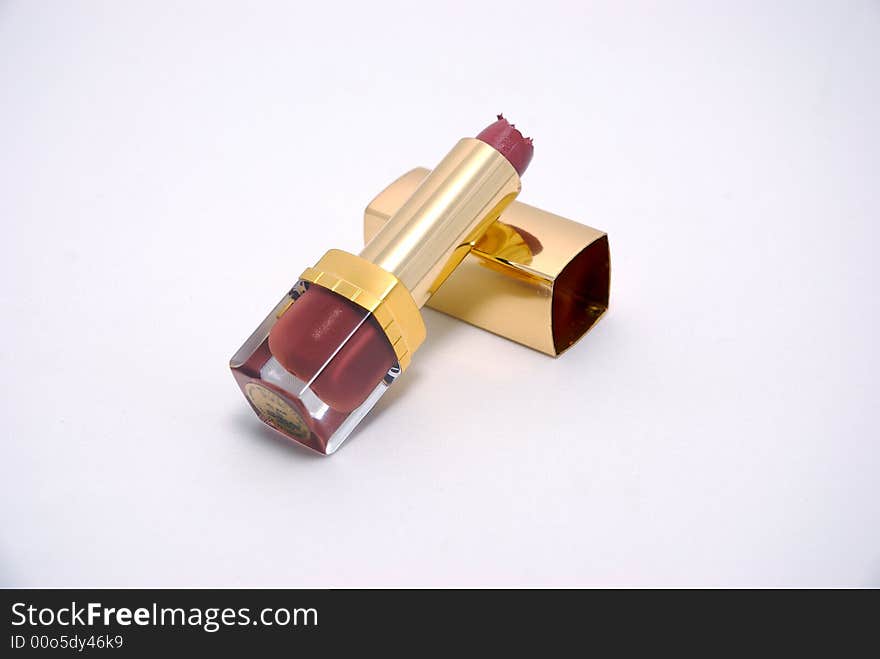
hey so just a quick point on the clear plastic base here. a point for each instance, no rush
(337, 367)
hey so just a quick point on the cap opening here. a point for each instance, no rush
(580, 294)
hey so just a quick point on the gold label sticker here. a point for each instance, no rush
(276, 411)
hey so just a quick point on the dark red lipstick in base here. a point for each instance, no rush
(324, 327)
(350, 326)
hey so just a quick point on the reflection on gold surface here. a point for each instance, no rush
(534, 277)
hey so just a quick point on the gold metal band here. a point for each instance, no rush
(377, 291)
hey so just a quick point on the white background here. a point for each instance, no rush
(168, 169)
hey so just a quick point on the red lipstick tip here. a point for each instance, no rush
(510, 142)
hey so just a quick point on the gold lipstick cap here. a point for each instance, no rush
(534, 277)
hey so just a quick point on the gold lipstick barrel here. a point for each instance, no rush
(427, 237)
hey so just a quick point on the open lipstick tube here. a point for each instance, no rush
(350, 326)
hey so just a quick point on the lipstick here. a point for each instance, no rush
(350, 326)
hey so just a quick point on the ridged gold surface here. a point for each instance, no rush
(377, 291)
